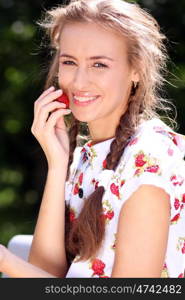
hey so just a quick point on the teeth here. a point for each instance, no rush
(83, 99)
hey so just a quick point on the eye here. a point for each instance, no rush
(101, 65)
(66, 62)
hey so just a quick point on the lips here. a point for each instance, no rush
(83, 94)
(84, 103)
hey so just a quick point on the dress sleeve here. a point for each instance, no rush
(153, 159)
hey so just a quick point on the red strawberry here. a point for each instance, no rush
(183, 249)
(104, 163)
(110, 214)
(176, 204)
(175, 218)
(183, 198)
(76, 189)
(98, 267)
(139, 162)
(114, 189)
(181, 275)
(152, 169)
(80, 178)
(64, 99)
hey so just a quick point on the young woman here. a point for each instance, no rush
(114, 206)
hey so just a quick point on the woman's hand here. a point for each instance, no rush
(49, 127)
(2, 256)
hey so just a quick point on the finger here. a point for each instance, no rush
(46, 92)
(47, 99)
(43, 114)
(50, 124)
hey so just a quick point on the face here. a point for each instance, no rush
(86, 77)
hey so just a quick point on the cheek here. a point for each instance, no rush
(64, 77)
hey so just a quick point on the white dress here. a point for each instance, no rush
(154, 155)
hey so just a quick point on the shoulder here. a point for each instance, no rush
(154, 156)
(154, 140)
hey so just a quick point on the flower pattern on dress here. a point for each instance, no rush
(108, 212)
(164, 273)
(181, 244)
(97, 265)
(177, 179)
(77, 187)
(153, 155)
(146, 163)
(113, 245)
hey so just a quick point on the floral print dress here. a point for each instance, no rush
(154, 155)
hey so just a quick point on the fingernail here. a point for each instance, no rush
(59, 91)
(51, 88)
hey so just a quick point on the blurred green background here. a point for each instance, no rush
(23, 65)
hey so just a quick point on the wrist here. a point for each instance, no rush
(59, 169)
(3, 255)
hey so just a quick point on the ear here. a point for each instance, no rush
(135, 76)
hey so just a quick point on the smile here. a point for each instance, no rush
(83, 101)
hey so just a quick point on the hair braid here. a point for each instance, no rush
(73, 132)
(124, 131)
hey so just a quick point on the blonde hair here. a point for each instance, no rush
(147, 51)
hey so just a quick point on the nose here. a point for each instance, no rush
(81, 79)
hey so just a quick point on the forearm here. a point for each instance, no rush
(48, 246)
(14, 266)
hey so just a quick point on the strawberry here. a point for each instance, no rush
(64, 99)
(104, 164)
(80, 178)
(114, 189)
(183, 198)
(175, 218)
(152, 169)
(110, 214)
(139, 162)
(76, 189)
(98, 267)
(176, 204)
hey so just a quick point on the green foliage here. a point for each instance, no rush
(23, 63)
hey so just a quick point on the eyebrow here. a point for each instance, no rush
(90, 58)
